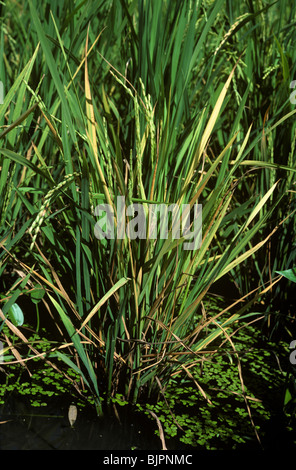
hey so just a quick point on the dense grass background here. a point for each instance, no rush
(161, 102)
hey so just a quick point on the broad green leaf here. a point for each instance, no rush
(37, 294)
(16, 315)
(289, 274)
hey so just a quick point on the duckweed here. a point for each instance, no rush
(225, 422)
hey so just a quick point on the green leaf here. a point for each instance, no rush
(25, 162)
(78, 346)
(52, 68)
(288, 397)
(37, 294)
(16, 315)
(285, 64)
(289, 274)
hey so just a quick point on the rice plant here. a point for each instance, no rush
(146, 103)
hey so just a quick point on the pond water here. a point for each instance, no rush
(24, 427)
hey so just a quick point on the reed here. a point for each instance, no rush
(149, 101)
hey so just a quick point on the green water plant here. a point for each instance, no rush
(289, 402)
(15, 314)
(224, 421)
(37, 382)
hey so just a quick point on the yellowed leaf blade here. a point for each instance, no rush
(113, 289)
(89, 105)
(91, 130)
(244, 256)
(209, 127)
(260, 204)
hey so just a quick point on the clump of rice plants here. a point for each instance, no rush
(147, 103)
